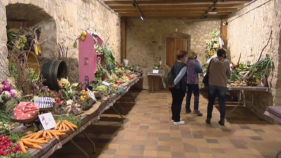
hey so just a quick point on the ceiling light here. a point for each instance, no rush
(214, 11)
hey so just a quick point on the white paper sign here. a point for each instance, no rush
(47, 121)
(105, 83)
(155, 71)
(91, 94)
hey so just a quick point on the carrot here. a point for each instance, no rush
(49, 134)
(37, 141)
(27, 143)
(57, 125)
(64, 127)
(71, 124)
(44, 134)
(42, 138)
(29, 135)
(70, 127)
(54, 134)
(36, 146)
(22, 147)
(58, 133)
(60, 127)
(38, 135)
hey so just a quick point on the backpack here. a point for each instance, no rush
(169, 77)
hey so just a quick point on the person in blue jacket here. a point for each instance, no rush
(192, 80)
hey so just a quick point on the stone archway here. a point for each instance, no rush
(27, 14)
(31, 16)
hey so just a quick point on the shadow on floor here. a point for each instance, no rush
(242, 115)
(101, 133)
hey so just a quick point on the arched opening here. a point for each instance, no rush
(28, 16)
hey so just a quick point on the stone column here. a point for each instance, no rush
(4, 73)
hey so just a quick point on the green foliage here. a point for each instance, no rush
(215, 33)
(109, 59)
(9, 106)
(32, 75)
(71, 118)
(15, 137)
(75, 44)
(13, 70)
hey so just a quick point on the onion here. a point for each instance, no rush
(7, 95)
(13, 93)
(6, 86)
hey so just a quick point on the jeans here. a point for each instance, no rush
(192, 88)
(177, 96)
(221, 93)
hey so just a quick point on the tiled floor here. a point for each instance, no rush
(148, 132)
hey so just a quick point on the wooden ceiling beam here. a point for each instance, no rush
(166, 14)
(176, 16)
(111, 2)
(172, 10)
(174, 6)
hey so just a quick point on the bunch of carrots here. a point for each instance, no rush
(34, 140)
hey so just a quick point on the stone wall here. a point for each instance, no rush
(248, 32)
(146, 39)
(71, 17)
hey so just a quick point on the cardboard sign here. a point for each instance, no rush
(91, 94)
(155, 71)
(105, 83)
(47, 121)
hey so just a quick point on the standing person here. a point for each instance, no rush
(219, 72)
(193, 68)
(179, 88)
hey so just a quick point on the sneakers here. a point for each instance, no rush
(197, 112)
(173, 120)
(208, 121)
(221, 123)
(179, 123)
(187, 111)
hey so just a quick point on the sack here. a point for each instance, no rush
(169, 77)
(206, 79)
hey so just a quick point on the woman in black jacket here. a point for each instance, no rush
(179, 89)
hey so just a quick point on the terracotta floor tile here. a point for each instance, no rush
(151, 148)
(164, 154)
(148, 132)
(150, 153)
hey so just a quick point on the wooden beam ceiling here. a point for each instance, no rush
(175, 8)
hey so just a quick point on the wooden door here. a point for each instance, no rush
(173, 45)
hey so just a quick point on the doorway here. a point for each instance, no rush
(173, 45)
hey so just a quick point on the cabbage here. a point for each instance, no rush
(6, 85)
(7, 95)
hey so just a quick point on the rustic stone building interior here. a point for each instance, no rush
(249, 29)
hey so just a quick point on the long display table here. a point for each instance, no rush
(54, 144)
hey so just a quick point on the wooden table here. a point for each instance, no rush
(160, 74)
(53, 145)
(242, 99)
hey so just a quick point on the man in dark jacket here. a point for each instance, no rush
(219, 72)
(179, 89)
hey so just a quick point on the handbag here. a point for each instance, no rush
(206, 77)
